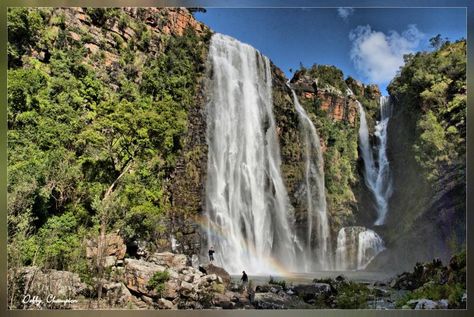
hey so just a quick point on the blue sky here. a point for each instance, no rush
(366, 43)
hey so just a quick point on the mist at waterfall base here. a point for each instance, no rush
(249, 219)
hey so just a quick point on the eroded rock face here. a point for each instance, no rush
(32, 281)
(312, 291)
(138, 273)
(330, 99)
(168, 259)
(115, 247)
(218, 272)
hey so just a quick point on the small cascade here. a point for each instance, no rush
(174, 243)
(195, 261)
(377, 172)
(357, 247)
(318, 235)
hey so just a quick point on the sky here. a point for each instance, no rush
(365, 43)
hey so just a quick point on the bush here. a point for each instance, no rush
(157, 281)
(282, 283)
(351, 295)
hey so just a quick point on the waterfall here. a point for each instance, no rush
(377, 174)
(249, 217)
(356, 248)
(317, 235)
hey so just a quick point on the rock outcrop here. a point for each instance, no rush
(115, 249)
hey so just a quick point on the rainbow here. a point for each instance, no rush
(273, 266)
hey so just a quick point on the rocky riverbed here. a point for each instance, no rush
(169, 281)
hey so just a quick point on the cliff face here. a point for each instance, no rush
(427, 154)
(322, 91)
(338, 105)
(117, 96)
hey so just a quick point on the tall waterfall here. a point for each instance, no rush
(356, 248)
(377, 173)
(249, 220)
(317, 236)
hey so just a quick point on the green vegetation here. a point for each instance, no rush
(438, 282)
(157, 281)
(340, 157)
(452, 292)
(94, 133)
(352, 295)
(432, 87)
(346, 294)
(281, 283)
(328, 75)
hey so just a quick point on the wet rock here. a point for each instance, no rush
(427, 304)
(443, 304)
(423, 304)
(380, 292)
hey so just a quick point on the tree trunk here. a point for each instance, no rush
(102, 243)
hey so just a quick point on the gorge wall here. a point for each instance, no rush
(427, 154)
(129, 87)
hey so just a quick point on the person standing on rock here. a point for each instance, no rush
(244, 279)
(211, 254)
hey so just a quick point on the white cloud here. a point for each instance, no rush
(345, 12)
(377, 55)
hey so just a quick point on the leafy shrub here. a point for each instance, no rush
(352, 295)
(281, 283)
(157, 281)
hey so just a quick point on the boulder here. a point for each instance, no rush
(268, 301)
(171, 289)
(186, 286)
(110, 261)
(114, 246)
(61, 284)
(312, 291)
(427, 304)
(218, 271)
(443, 304)
(137, 275)
(223, 300)
(170, 260)
(165, 304)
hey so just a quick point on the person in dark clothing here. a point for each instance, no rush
(211, 254)
(244, 279)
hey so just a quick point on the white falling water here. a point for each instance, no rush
(317, 236)
(247, 206)
(174, 243)
(356, 248)
(377, 173)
